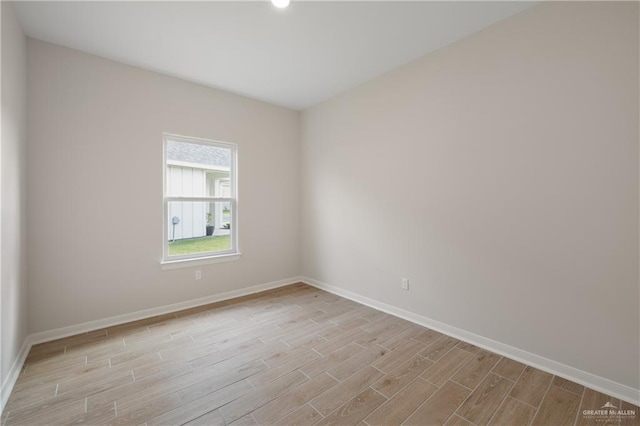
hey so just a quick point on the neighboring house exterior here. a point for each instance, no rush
(194, 170)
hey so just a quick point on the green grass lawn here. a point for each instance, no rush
(199, 245)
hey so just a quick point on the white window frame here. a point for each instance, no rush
(170, 262)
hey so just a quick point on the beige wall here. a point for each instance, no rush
(500, 174)
(95, 154)
(13, 288)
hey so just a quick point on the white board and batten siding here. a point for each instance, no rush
(187, 181)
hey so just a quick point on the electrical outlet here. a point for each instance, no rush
(405, 284)
(198, 274)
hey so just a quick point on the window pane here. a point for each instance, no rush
(197, 170)
(218, 184)
(198, 227)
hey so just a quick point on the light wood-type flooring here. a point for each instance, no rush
(291, 356)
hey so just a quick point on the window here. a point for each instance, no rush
(200, 208)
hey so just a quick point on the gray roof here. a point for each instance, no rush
(198, 154)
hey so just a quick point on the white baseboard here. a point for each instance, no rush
(58, 333)
(14, 372)
(589, 380)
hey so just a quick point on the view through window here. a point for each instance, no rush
(199, 198)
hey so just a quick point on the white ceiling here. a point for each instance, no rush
(294, 57)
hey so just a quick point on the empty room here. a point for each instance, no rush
(295, 212)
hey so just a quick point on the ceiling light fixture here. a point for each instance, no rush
(281, 4)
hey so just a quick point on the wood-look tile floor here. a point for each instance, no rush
(290, 356)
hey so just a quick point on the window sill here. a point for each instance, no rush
(199, 261)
